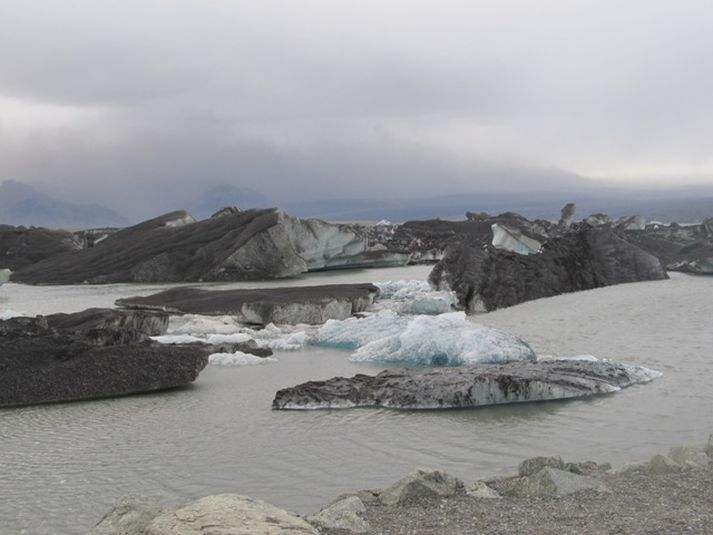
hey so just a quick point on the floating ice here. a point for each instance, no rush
(213, 339)
(238, 359)
(9, 314)
(413, 297)
(281, 338)
(171, 339)
(353, 333)
(443, 340)
(197, 325)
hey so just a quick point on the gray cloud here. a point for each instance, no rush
(325, 98)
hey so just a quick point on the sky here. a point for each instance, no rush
(133, 99)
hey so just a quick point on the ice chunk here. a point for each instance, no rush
(170, 339)
(443, 340)
(283, 337)
(238, 359)
(413, 297)
(9, 314)
(353, 333)
(196, 324)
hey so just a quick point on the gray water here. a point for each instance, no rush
(62, 466)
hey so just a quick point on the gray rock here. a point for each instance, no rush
(586, 467)
(529, 467)
(689, 457)
(661, 465)
(709, 447)
(473, 386)
(130, 516)
(422, 484)
(551, 482)
(344, 513)
(479, 489)
(4, 276)
(292, 305)
(229, 514)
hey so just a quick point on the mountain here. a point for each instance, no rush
(21, 204)
(223, 195)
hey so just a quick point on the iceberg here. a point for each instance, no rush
(196, 324)
(9, 314)
(413, 297)
(469, 386)
(238, 359)
(443, 340)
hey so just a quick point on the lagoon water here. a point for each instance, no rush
(62, 466)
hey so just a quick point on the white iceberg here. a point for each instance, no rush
(353, 333)
(9, 314)
(413, 297)
(443, 340)
(238, 359)
(195, 324)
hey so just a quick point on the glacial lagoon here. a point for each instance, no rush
(64, 465)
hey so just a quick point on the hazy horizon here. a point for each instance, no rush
(133, 103)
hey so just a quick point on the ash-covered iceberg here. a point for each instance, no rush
(470, 386)
(442, 340)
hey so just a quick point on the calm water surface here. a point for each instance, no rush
(62, 466)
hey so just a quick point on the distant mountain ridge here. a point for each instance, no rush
(21, 204)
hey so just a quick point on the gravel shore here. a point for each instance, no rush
(639, 503)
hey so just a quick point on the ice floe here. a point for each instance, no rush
(238, 359)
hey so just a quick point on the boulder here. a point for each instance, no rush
(228, 514)
(479, 489)
(662, 465)
(130, 516)
(345, 513)
(550, 482)
(472, 386)
(292, 305)
(531, 466)
(689, 457)
(422, 484)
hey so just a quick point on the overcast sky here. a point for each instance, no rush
(326, 98)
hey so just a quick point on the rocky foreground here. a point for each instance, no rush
(669, 494)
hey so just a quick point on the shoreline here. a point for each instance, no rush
(670, 493)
